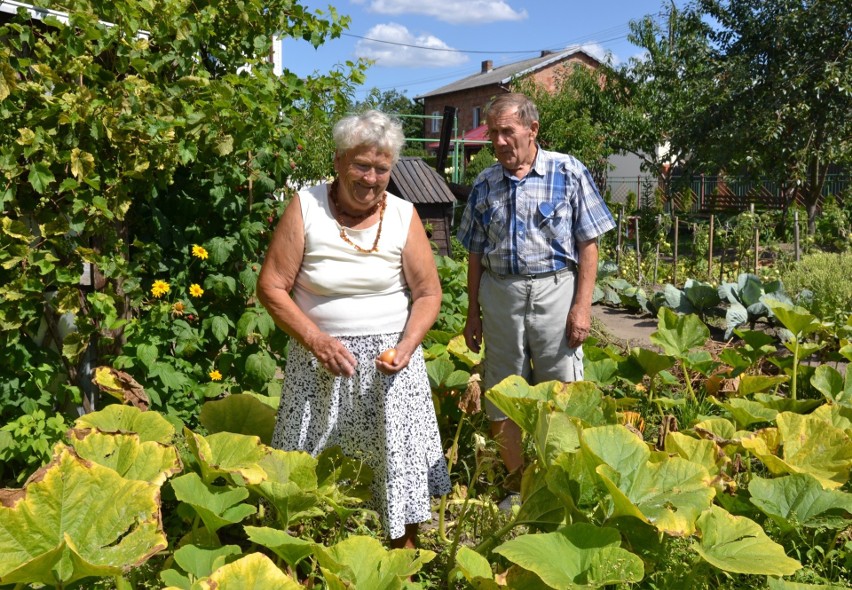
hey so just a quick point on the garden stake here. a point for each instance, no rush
(710, 250)
(674, 267)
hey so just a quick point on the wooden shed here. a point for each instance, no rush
(415, 181)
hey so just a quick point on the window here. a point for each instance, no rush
(477, 117)
(436, 122)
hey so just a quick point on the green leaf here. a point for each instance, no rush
(677, 335)
(669, 493)
(577, 556)
(831, 384)
(475, 569)
(796, 319)
(362, 562)
(228, 455)
(289, 548)
(261, 366)
(242, 414)
(291, 485)
(217, 506)
(79, 533)
(651, 362)
(252, 572)
(219, 326)
(147, 354)
(40, 177)
(127, 455)
(201, 562)
(738, 545)
(750, 384)
(150, 426)
(799, 500)
(746, 412)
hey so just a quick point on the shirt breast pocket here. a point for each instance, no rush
(493, 221)
(554, 220)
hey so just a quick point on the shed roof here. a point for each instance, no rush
(502, 75)
(415, 181)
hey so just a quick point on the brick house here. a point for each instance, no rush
(470, 95)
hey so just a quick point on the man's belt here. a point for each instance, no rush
(571, 266)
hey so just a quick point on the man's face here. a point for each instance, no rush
(514, 142)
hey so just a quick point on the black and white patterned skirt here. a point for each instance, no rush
(388, 421)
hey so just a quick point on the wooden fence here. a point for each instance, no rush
(716, 194)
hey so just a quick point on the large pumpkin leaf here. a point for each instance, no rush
(241, 414)
(797, 319)
(831, 384)
(580, 399)
(217, 506)
(577, 556)
(234, 456)
(519, 400)
(363, 563)
(678, 334)
(252, 572)
(540, 507)
(77, 519)
(746, 412)
(201, 562)
(475, 569)
(737, 544)
(291, 485)
(813, 446)
(556, 433)
(800, 500)
(117, 418)
(651, 362)
(698, 450)
(669, 493)
(289, 548)
(127, 455)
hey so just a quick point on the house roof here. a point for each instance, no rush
(415, 181)
(502, 75)
(478, 134)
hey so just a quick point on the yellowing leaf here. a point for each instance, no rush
(81, 163)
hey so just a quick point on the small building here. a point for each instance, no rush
(470, 95)
(415, 181)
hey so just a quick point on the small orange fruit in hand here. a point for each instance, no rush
(388, 356)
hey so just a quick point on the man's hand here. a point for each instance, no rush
(578, 324)
(473, 332)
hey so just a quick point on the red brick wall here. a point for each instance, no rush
(466, 100)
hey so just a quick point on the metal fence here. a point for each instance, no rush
(705, 193)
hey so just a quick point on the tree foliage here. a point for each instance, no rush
(147, 149)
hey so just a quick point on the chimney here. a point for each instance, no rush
(487, 66)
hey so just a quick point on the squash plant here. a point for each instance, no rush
(140, 160)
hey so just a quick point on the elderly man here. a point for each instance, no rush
(531, 226)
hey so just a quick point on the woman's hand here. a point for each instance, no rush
(332, 355)
(390, 364)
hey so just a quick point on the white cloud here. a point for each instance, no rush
(397, 53)
(596, 50)
(471, 12)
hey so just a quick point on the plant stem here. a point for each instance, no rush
(795, 369)
(442, 530)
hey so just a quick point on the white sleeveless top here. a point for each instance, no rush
(346, 292)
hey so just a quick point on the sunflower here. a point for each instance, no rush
(199, 252)
(160, 288)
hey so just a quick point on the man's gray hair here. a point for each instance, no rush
(526, 109)
(370, 128)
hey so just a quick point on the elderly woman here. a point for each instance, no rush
(363, 280)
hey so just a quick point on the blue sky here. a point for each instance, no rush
(421, 45)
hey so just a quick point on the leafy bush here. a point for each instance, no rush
(832, 227)
(819, 283)
(479, 162)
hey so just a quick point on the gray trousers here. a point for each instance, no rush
(523, 325)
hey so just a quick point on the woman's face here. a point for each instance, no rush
(364, 174)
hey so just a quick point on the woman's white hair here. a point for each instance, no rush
(370, 128)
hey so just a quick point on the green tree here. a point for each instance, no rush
(394, 102)
(784, 88)
(124, 146)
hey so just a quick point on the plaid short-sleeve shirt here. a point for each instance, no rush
(532, 225)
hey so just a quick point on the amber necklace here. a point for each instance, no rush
(332, 193)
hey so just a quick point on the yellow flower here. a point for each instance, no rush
(215, 375)
(178, 308)
(199, 252)
(195, 290)
(160, 288)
